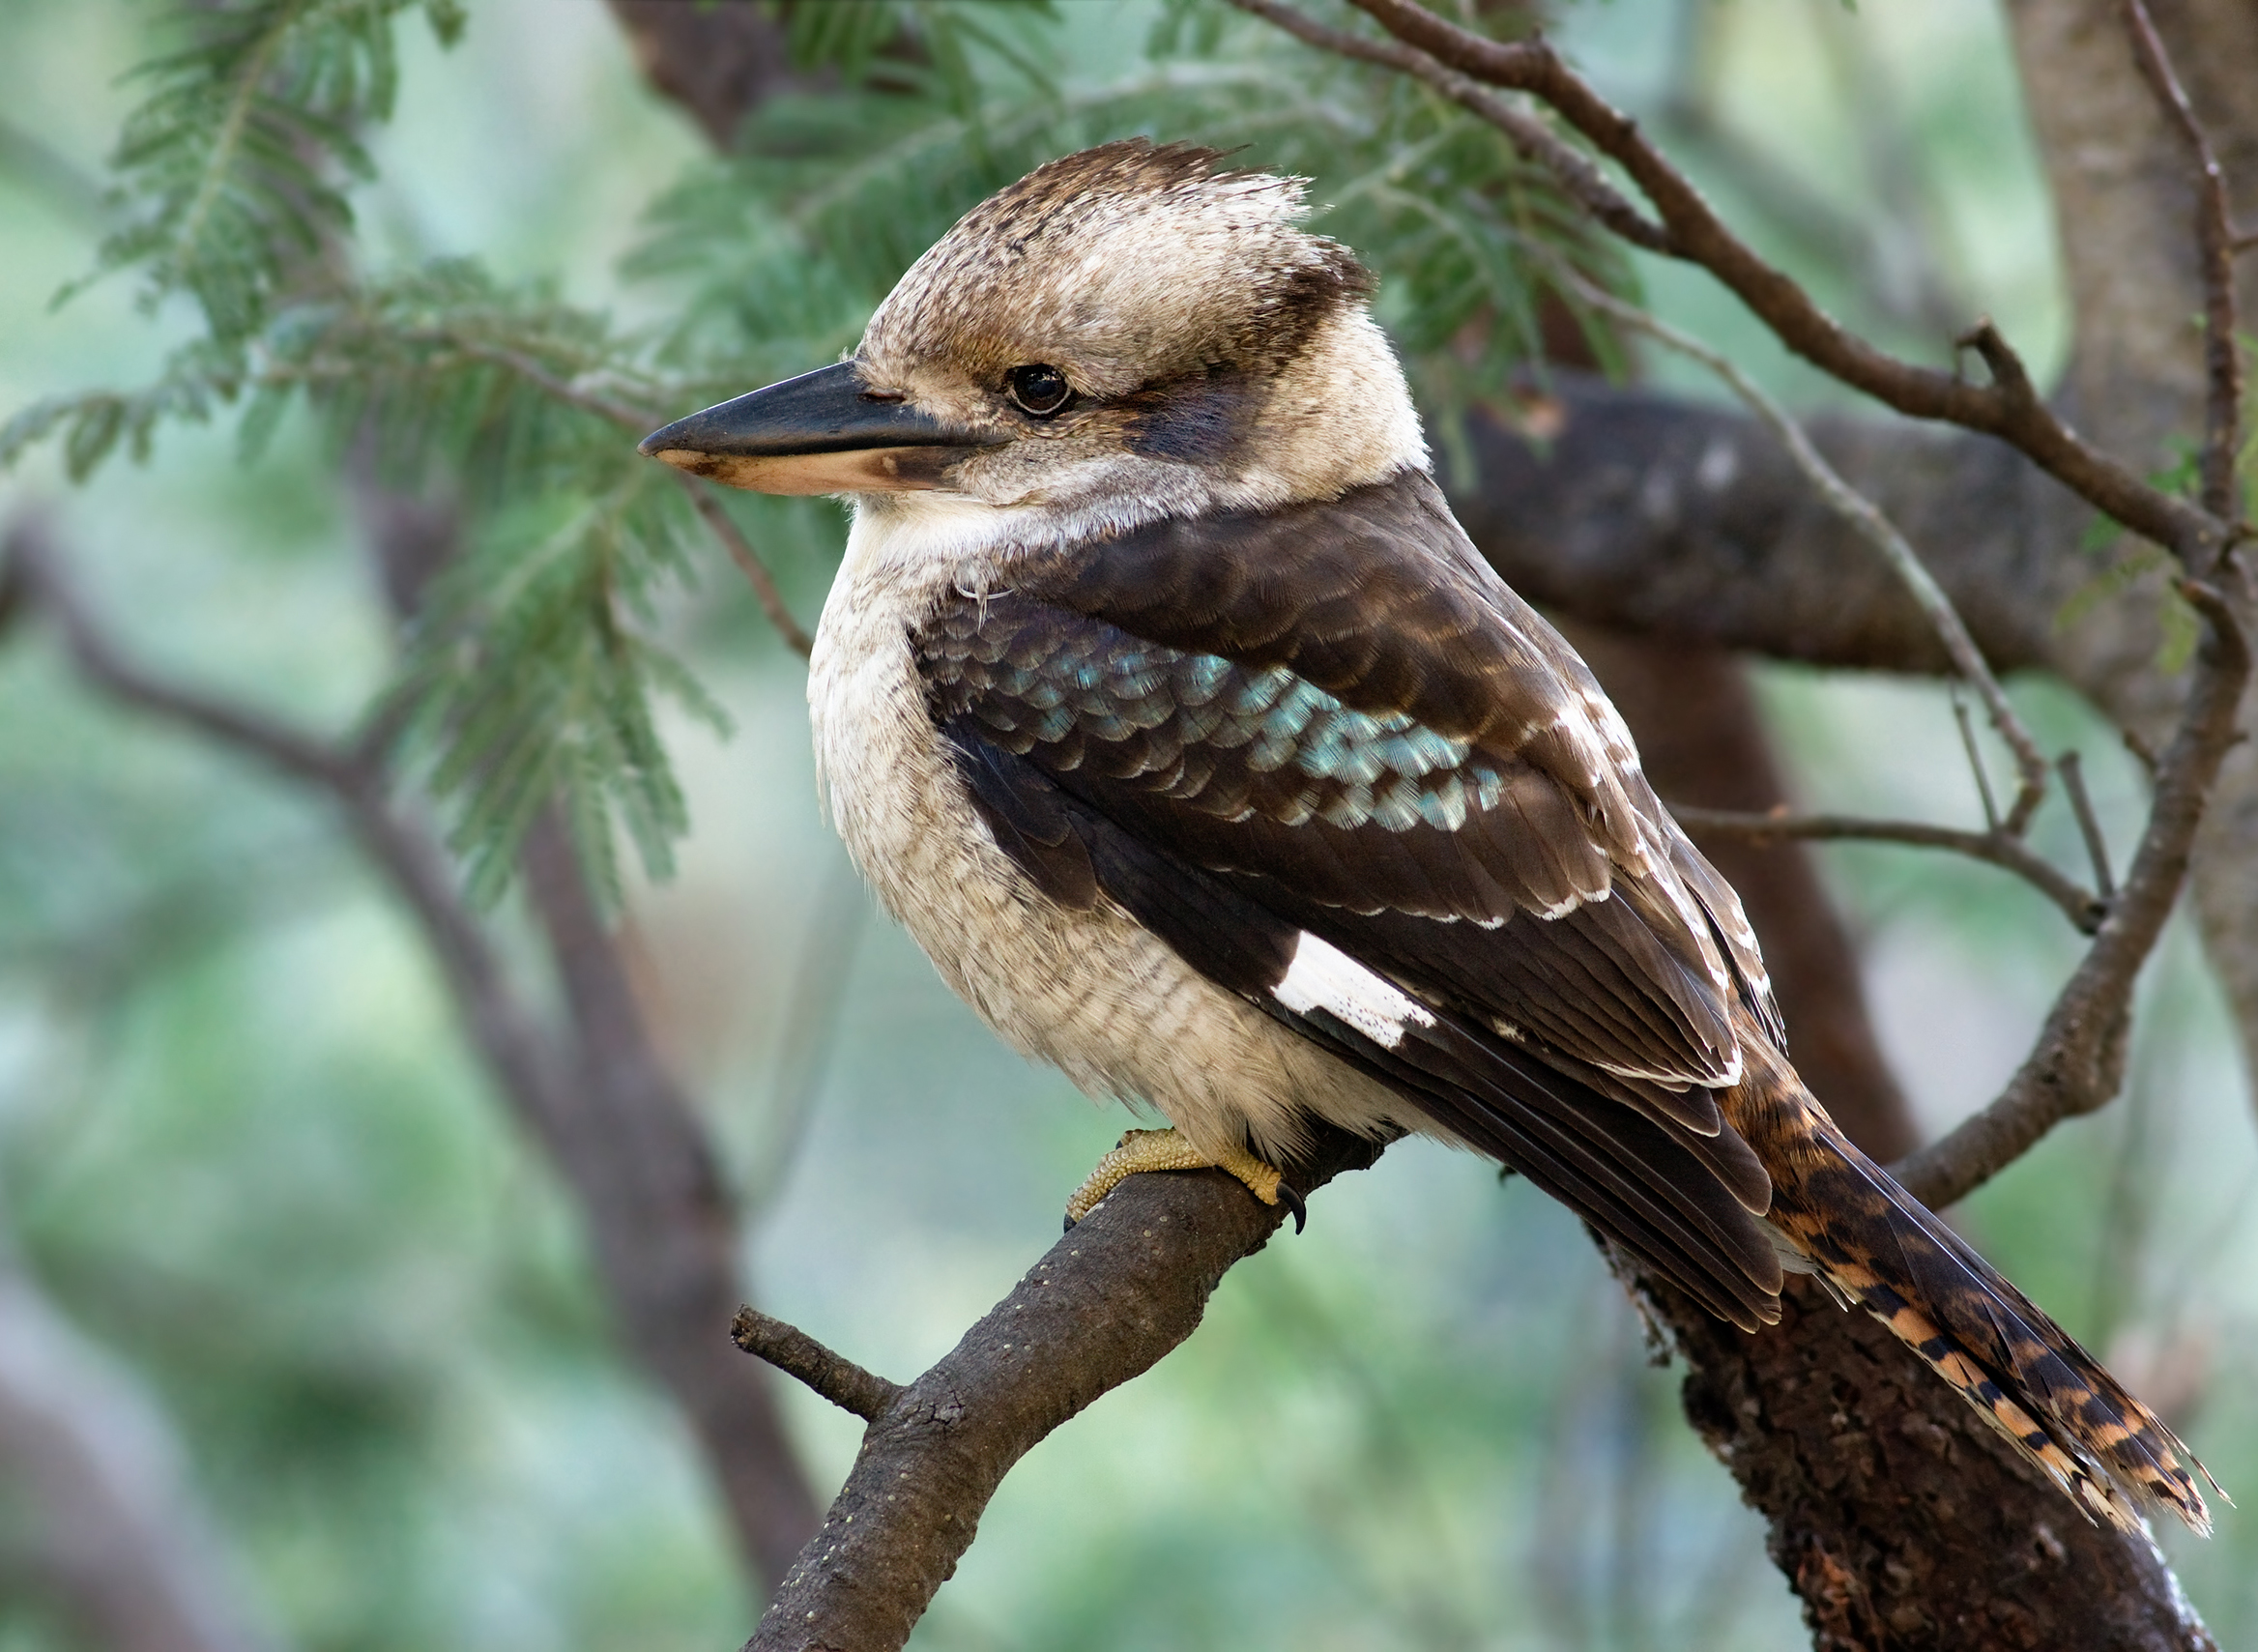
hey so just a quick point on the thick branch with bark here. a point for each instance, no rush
(1125, 1285)
(1894, 1512)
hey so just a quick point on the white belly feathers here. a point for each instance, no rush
(1092, 991)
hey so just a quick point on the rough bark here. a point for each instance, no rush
(1125, 1285)
(1894, 1512)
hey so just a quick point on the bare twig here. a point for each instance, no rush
(799, 1355)
(1995, 847)
(1864, 518)
(2077, 1062)
(2009, 407)
(1975, 756)
(2214, 242)
(1535, 141)
(748, 562)
(2072, 770)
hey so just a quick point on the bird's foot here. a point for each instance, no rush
(1142, 1150)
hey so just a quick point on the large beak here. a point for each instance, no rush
(822, 432)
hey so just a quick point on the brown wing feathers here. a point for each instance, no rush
(1333, 722)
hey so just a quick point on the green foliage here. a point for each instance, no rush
(197, 379)
(946, 52)
(531, 672)
(228, 170)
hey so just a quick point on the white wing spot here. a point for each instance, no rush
(1324, 977)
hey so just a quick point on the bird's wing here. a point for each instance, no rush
(1379, 600)
(1344, 771)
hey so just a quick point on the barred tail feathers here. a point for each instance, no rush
(2051, 1400)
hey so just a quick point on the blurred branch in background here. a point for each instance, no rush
(28, 160)
(1886, 246)
(593, 1093)
(117, 1533)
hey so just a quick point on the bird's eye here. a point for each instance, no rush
(1041, 391)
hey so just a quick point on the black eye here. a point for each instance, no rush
(1042, 390)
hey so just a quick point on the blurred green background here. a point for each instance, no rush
(243, 1149)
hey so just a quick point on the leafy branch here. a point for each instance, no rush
(228, 170)
(539, 666)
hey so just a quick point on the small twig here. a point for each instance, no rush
(799, 1355)
(1994, 848)
(625, 416)
(1693, 233)
(2214, 241)
(1536, 141)
(2077, 1062)
(2071, 768)
(748, 561)
(2242, 241)
(1975, 756)
(34, 572)
(1865, 518)
(2141, 751)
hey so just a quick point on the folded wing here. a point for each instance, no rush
(1338, 767)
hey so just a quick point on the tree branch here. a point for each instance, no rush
(1125, 1285)
(2077, 1062)
(833, 1376)
(749, 564)
(1893, 1511)
(2007, 407)
(1995, 847)
(2214, 241)
(617, 1131)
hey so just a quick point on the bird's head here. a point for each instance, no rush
(1124, 332)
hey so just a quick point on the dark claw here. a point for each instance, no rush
(1292, 1201)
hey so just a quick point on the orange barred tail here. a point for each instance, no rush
(2055, 1404)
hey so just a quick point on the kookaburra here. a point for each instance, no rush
(1163, 700)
